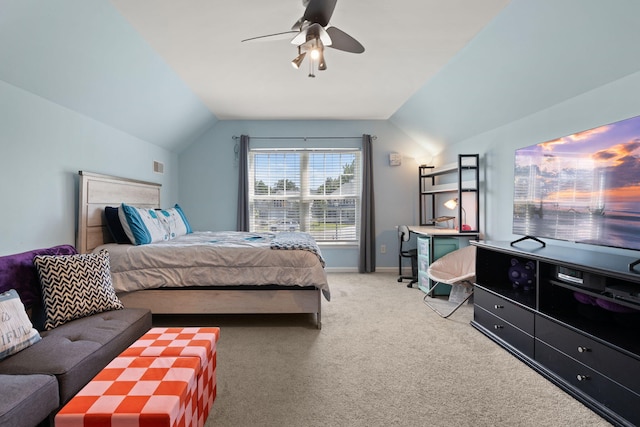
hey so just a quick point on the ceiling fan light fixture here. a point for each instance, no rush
(298, 60)
(313, 32)
(322, 65)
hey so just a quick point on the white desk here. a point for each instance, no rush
(429, 230)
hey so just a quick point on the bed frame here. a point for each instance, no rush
(97, 191)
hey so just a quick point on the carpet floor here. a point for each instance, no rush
(382, 358)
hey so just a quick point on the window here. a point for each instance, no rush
(316, 191)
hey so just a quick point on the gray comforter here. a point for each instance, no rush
(227, 258)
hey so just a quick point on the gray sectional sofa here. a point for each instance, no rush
(38, 380)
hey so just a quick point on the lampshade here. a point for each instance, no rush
(298, 60)
(322, 65)
(451, 204)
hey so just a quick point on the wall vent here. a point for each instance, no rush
(158, 167)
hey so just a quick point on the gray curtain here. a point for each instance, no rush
(243, 184)
(367, 261)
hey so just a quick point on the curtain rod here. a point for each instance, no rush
(304, 138)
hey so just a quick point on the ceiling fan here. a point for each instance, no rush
(313, 32)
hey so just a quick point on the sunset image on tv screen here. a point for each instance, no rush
(583, 187)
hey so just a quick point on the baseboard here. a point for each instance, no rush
(355, 269)
(387, 270)
(341, 269)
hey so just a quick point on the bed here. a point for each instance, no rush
(250, 277)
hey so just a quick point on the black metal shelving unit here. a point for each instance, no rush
(460, 180)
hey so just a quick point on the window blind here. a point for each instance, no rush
(315, 191)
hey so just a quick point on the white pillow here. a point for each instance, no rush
(16, 330)
(184, 218)
(142, 225)
(174, 221)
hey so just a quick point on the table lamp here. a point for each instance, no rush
(452, 204)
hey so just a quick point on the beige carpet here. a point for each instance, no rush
(382, 358)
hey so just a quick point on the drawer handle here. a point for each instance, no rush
(582, 377)
(582, 349)
(498, 327)
(497, 306)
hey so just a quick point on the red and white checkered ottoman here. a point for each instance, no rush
(137, 391)
(166, 378)
(180, 342)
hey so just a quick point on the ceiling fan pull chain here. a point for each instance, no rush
(311, 68)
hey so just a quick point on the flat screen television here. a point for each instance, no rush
(582, 188)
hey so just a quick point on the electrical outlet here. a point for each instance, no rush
(383, 249)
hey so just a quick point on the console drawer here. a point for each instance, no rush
(606, 360)
(504, 330)
(610, 394)
(512, 313)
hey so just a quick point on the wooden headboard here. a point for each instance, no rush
(97, 191)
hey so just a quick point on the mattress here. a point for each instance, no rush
(228, 258)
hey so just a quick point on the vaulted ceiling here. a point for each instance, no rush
(406, 42)
(165, 71)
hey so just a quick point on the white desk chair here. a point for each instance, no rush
(458, 269)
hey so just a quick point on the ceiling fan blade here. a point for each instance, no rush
(275, 36)
(298, 25)
(343, 41)
(319, 11)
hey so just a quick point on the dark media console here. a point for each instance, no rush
(579, 326)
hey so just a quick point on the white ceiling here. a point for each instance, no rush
(406, 41)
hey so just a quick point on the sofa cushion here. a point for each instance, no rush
(76, 351)
(18, 272)
(27, 399)
(75, 286)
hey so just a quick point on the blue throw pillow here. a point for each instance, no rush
(142, 225)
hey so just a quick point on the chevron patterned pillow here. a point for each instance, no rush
(75, 286)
